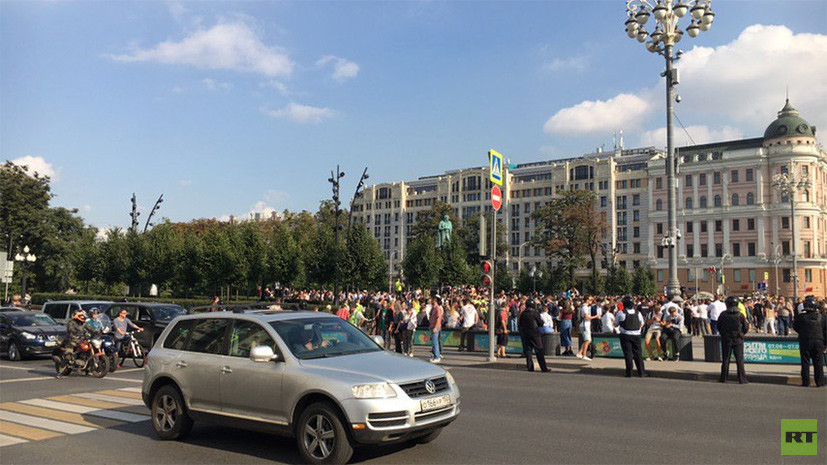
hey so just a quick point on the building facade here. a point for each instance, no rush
(729, 214)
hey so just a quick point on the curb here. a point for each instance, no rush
(620, 372)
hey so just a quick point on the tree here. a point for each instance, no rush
(115, 257)
(618, 281)
(454, 270)
(643, 281)
(427, 222)
(502, 279)
(421, 262)
(469, 234)
(365, 265)
(284, 263)
(24, 199)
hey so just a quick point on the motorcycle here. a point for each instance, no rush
(87, 357)
(130, 348)
(109, 348)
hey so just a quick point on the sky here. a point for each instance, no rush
(229, 108)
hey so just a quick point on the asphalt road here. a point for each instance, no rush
(507, 417)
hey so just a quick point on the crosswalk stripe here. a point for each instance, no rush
(38, 422)
(119, 393)
(9, 440)
(68, 417)
(105, 398)
(87, 402)
(132, 389)
(95, 412)
(26, 432)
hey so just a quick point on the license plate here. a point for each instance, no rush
(435, 403)
(50, 343)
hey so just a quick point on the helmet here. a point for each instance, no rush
(79, 314)
(732, 301)
(810, 303)
(628, 302)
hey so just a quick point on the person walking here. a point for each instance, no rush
(435, 328)
(566, 314)
(783, 320)
(715, 309)
(629, 321)
(529, 326)
(586, 318)
(811, 327)
(469, 318)
(732, 325)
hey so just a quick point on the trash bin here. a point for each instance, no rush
(712, 348)
(551, 344)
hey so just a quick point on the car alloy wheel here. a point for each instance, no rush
(319, 436)
(166, 414)
(170, 419)
(14, 352)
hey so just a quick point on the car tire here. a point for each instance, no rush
(170, 419)
(321, 436)
(425, 439)
(14, 352)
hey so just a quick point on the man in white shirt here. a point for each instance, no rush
(469, 318)
(715, 309)
(703, 312)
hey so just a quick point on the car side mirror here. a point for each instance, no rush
(263, 354)
(379, 340)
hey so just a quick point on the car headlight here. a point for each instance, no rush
(373, 391)
(27, 335)
(449, 378)
(96, 343)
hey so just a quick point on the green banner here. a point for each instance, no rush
(771, 352)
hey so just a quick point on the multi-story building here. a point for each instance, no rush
(729, 214)
(732, 218)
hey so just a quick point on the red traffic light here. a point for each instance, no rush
(486, 267)
(486, 281)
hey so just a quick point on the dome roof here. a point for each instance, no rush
(789, 124)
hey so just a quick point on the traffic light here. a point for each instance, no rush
(487, 270)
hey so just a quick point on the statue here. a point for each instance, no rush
(444, 232)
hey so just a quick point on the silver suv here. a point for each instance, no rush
(312, 376)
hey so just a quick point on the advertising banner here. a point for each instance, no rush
(771, 352)
(515, 344)
(449, 338)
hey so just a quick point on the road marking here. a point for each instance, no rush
(129, 370)
(127, 380)
(105, 398)
(15, 368)
(138, 390)
(26, 432)
(68, 417)
(120, 393)
(113, 415)
(87, 402)
(20, 380)
(53, 425)
(8, 440)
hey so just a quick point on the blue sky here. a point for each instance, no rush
(229, 108)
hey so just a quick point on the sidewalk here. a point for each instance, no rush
(693, 371)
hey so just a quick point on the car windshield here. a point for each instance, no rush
(168, 312)
(32, 320)
(101, 307)
(310, 338)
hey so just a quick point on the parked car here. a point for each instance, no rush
(12, 309)
(26, 334)
(61, 310)
(152, 317)
(312, 376)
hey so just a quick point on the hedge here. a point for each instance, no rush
(41, 298)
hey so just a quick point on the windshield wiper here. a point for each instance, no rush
(316, 356)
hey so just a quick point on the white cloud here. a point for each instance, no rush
(214, 85)
(177, 10)
(700, 135)
(86, 208)
(342, 68)
(590, 117)
(227, 45)
(736, 87)
(279, 86)
(299, 113)
(185, 182)
(567, 64)
(38, 165)
(102, 233)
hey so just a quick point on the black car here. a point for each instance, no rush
(152, 317)
(26, 334)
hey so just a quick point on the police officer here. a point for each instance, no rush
(811, 327)
(732, 326)
(529, 326)
(629, 321)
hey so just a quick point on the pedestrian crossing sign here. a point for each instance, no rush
(495, 160)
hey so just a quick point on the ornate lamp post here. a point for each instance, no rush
(26, 259)
(534, 273)
(661, 40)
(334, 185)
(788, 185)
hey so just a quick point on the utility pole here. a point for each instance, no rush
(334, 181)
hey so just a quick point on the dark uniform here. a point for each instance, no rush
(811, 327)
(630, 320)
(529, 325)
(732, 326)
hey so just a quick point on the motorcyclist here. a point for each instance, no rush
(76, 331)
(94, 324)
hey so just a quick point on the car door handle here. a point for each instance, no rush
(226, 370)
(181, 364)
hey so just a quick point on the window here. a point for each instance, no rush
(749, 175)
(736, 276)
(750, 224)
(785, 275)
(658, 183)
(719, 225)
(703, 226)
(604, 201)
(636, 247)
(177, 338)
(636, 231)
(702, 179)
(690, 250)
(736, 249)
(659, 228)
(719, 250)
(807, 249)
(736, 225)
(735, 200)
(808, 275)
(704, 250)
(717, 200)
(752, 275)
(635, 215)
(750, 198)
(208, 336)
(689, 203)
(659, 205)
(660, 251)
(806, 222)
(690, 226)
(785, 247)
(688, 180)
(716, 177)
(785, 222)
(733, 176)
(245, 336)
(635, 200)
(660, 275)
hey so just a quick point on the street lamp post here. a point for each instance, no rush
(664, 36)
(520, 257)
(788, 184)
(26, 259)
(334, 182)
(534, 273)
(725, 260)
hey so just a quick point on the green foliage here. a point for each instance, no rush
(454, 270)
(618, 281)
(421, 262)
(502, 279)
(643, 281)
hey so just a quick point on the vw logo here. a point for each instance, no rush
(430, 386)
